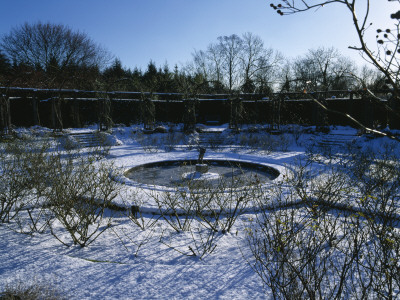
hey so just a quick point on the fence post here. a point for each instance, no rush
(5, 114)
(368, 111)
(148, 112)
(75, 113)
(237, 111)
(35, 109)
(56, 117)
(189, 117)
(276, 111)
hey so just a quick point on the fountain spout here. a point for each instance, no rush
(200, 166)
(202, 150)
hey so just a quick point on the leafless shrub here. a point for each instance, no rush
(377, 180)
(332, 231)
(272, 143)
(24, 166)
(13, 184)
(144, 221)
(264, 142)
(172, 139)
(99, 152)
(296, 131)
(136, 214)
(215, 141)
(201, 212)
(175, 209)
(229, 201)
(149, 142)
(81, 191)
(293, 243)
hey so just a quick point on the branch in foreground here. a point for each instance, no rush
(352, 119)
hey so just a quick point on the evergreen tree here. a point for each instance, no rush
(150, 77)
(5, 68)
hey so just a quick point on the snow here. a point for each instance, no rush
(129, 263)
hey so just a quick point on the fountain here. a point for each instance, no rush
(200, 173)
(200, 166)
(213, 181)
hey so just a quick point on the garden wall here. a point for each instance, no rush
(78, 108)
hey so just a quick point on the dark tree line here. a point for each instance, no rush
(51, 56)
(153, 79)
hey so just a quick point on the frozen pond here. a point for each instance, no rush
(226, 173)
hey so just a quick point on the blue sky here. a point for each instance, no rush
(137, 31)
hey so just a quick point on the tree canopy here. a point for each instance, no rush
(55, 53)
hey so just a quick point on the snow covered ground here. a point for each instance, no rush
(129, 263)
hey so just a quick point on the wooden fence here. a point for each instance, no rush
(59, 109)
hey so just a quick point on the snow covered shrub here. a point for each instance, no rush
(332, 230)
(13, 183)
(192, 140)
(23, 166)
(270, 143)
(296, 132)
(203, 212)
(215, 141)
(377, 183)
(160, 129)
(107, 139)
(80, 193)
(243, 139)
(69, 142)
(300, 250)
(264, 141)
(149, 142)
(171, 140)
(34, 291)
(223, 204)
(36, 166)
(284, 141)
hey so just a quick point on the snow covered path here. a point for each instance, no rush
(106, 270)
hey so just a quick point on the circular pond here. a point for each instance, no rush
(221, 173)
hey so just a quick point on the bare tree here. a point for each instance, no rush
(258, 63)
(46, 55)
(53, 51)
(230, 49)
(201, 64)
(323, 69)
(238, 63)
(385, 57)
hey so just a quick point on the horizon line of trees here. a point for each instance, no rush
(45, 55)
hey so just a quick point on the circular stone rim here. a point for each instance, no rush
(273, 168)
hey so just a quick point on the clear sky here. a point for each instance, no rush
(137, 31)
